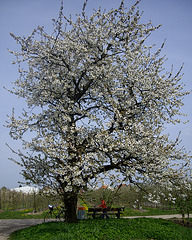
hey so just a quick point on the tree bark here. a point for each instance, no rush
(70, 201)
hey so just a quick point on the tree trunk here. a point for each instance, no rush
(183, 213)
(183, 217)
(70, 201)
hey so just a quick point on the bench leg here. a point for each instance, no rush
(105, 214)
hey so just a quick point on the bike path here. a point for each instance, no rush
(7, 226)
(161, 216)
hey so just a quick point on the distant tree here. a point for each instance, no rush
(179, 193)
(98, 99)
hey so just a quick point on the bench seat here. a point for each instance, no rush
(110, 211)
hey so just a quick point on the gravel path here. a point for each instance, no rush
(161, 216)
(8, 226)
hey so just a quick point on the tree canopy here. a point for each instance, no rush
(98, 99)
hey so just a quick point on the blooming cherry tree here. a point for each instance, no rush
(97, 102)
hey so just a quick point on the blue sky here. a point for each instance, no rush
(22, 16)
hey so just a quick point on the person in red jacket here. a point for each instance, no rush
(104, 207)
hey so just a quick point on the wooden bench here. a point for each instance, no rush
(97, 211)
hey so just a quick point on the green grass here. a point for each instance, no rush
(25, 214)
(122, 229)
(148, 212)
(21, 214)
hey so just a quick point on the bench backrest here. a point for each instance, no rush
(108, 209)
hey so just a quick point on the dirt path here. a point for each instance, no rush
(8, 226)
(161, 216)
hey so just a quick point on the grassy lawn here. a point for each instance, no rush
(122, 229)
(20, 214)
(148, 212)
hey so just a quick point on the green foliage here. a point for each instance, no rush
(141, 228)
(11, 200)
